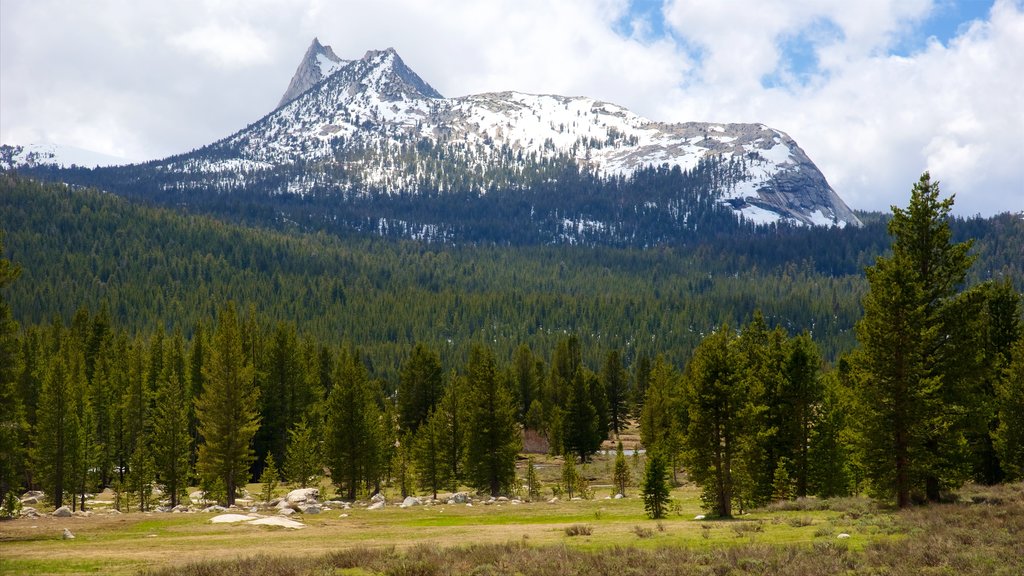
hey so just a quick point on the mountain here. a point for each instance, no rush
(368, 145)
(319, 62)
(54, 155)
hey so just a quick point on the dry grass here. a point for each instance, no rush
(979, 535)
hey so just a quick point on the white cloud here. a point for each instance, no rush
(144, 79)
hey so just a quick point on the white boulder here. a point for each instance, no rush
(62, 512)
(376, 506)
(68, 535)
(409, 502)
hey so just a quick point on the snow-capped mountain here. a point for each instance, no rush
(319, 62)
(371, 119)
(14, 156)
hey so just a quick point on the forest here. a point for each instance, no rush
(142, 346)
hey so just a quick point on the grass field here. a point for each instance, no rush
(980, 535)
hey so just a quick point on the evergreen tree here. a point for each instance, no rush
(227, 410)
(527, 378)
(802, 395)
(580, 435)
(139, 481)
(420, 386)
(304, 461)
(56, 429)
(492, 437)
(1009, 435)
(913, 389)
(717, 430)
(355, 429)
(13, 425)
(172, 444)
(828, 451)
(641, 377)
(570, 475)
(452, 423)
(620, 476)
(533, 484)
(655, 489)
(428, 456)
(269, 479)
(663, 412)
(284, 396)
(616, 386)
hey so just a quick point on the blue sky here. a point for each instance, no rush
(875, 91)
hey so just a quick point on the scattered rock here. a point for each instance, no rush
(343, 516)
(62, 512)
(37, 494)
(337, 504)
(619, 496)
(68, 535)
(502, 499)
(378, 497)
(309, 508)
(554, 500)
(214, 508)
(277, 521)
(301, 495)
(469, 504)
(286, 511)
(80, 514)
(230, 518)
(29, 500)
(459, 498)
(29, 512)
(198, 496)
(376, 506)
(410, 501)
(699, 517)
(843, 536)
(180, 509)
(114, 512)
(164, 509)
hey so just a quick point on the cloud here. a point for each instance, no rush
(858, 84)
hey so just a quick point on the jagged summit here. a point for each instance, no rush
(319, 62)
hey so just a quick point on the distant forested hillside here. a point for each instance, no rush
(158, 267)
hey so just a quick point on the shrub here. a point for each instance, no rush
(578, 530)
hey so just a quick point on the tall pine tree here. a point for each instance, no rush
(227, 410)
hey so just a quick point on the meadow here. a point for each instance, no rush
(980, 533)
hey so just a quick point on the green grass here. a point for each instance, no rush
(797, 538)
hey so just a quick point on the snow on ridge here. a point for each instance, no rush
(58, 155)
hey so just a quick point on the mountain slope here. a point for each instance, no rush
(368, 145)
(369, 108)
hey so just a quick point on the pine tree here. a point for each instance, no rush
(717, 430)
(662, 415)
(580, 435)
(355, 429)
(227, 410)
(1009, 435)
(913, 389)
(56, 429)
(427, 455)
(493, 436)
(655, 489)
(420, 386)
(621, 476)
(13, 425)
(304, 462)
(451, 413)
(269, 478)
(139, 482)
(828, 451)
(284, 395)
(616, 386)
(533, 484)
(172, 444)
(570, 475)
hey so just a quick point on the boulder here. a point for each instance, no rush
(698, 517)
(230, 518)
(283, 504)
(30, 512)
(301, 495)
(68, 535)
(460, 498)
(180, 509)
(277, 521)
(62, 512)
(286, 511)
(378, 497)
(164, 509)
(409, 502)
(197, 496)
(29, 500)
(309, 508)
(554, 500)
(36, 495)
(214, 508)
(376, 506)
(843, 536)
(619, 496)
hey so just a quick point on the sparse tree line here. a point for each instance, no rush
(932, 396)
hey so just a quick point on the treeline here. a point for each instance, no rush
(931, 397)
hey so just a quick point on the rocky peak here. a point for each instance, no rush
(383, 73)
(319, 62)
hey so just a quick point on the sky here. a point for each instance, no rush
(875, 91)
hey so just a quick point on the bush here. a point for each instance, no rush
(578, 530)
